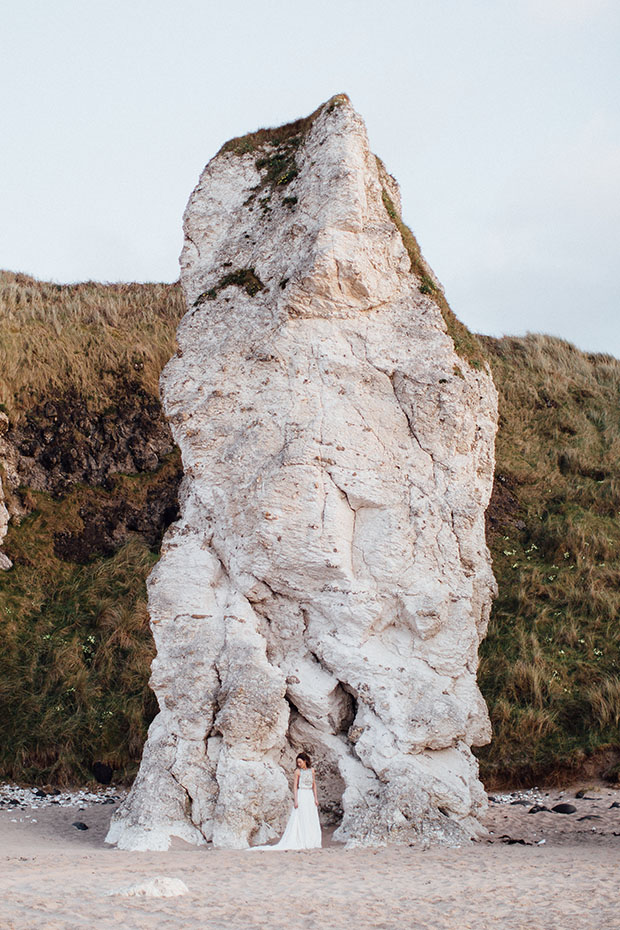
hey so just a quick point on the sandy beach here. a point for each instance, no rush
(57, 877)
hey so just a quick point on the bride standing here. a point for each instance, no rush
(303, 830)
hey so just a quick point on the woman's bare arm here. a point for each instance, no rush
(295, 783)
(316, 800)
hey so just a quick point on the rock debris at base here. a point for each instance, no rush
(13, 797)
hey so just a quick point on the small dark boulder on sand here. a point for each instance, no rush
(79, 825)
(537, 808)
(564, 809)
(614, 804)
(525, 803)
(589, 817)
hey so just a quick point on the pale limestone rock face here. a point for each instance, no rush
(5, 562)
(328, 583)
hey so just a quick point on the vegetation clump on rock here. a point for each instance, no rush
(245, 278)
(277, 150)
(279, 136)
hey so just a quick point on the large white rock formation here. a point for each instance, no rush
(328, 583)
(5, 562)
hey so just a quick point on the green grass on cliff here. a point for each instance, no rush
(550, 665)
(75, 650)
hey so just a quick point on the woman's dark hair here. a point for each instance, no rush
(305, 758)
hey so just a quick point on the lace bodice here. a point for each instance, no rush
(305, 778)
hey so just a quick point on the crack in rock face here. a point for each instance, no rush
(328, 583)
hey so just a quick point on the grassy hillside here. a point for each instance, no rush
(90, 473)
(550, 664)
(81, 338)
(75, 654)
(74, 641)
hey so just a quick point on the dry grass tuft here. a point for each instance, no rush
(75, 651)
(279, 135)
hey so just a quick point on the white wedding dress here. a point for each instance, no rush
(303, 830)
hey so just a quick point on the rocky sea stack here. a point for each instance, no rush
(328, 582)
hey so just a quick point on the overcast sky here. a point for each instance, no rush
(499, 118)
